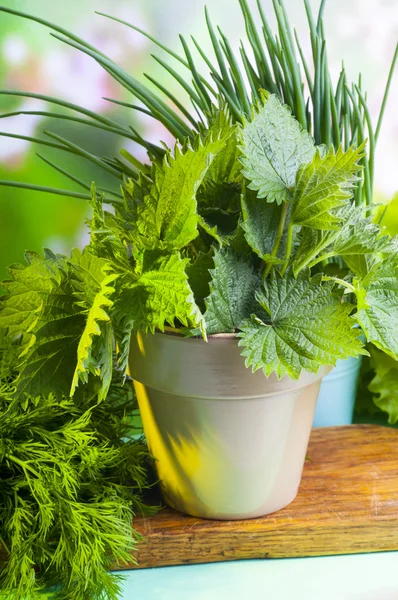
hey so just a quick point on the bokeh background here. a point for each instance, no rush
(362, 32)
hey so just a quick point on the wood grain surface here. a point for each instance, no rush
(347, 503)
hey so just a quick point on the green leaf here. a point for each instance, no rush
(69, 309)
(325, 184)
(48, 366)
(231, 295)
(106, 239)
(310, 242)
(199, 277)
(384, 384)
(358, 234)
(377, 300)
(166, 217)
(161, 295)
(260, 224)
(96, 325)
(299, 324)
(226, 166)
(274, 146)
(24, 291)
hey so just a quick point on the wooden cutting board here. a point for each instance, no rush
(347, 503)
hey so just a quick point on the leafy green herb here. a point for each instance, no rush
(232, 288)
(274, 146)
(71, 480)
(301, 324)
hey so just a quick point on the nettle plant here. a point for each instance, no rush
(236, 232)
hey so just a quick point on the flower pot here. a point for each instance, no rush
(227, 443)
(336, 399)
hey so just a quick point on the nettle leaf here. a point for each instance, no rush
(260, 224)
(377, 299)
(300, 324)
(309, 243)
(358, 234)
(161, 295)
(324, 184)
(384, 384)
(106, 234)
(232, 289)
(96, 325)
(166, 217)
(274, 146)
(69, 310)
(48, 366)
(199, 277)
(226, 166)
(24, 292)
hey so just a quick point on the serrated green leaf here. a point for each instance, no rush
(160, 296)
(377, 301)
(166, 216)
(225, 167)
(324, 184)
(260, 225)
(199, 277)
(231, 295)
(384, 385)
(300, 324)
(107, 234)
(24, 292)
(309, 240)
(48, 362)
(274, 146)
(48, 366)
(96, 325)
(358, 234)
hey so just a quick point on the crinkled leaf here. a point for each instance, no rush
(166, 216)
(232, 289)
(309, 241)
(24, 291)
(160, 296)
(64, 315)
(358, 234)
(274, 146)
(106, 239)
(48, 366)
(300, 324)
(377, 300)
(260, 224)
(225, 167)
(96, 325)
(324, 184)
(199, 277)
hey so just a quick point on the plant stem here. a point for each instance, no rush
(289, 245)
(345, 284)
(278, 239)
(320, 259)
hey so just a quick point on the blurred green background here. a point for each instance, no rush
(363, 32)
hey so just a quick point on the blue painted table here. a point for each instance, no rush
(353, 577)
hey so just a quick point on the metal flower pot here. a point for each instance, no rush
(227, 443)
